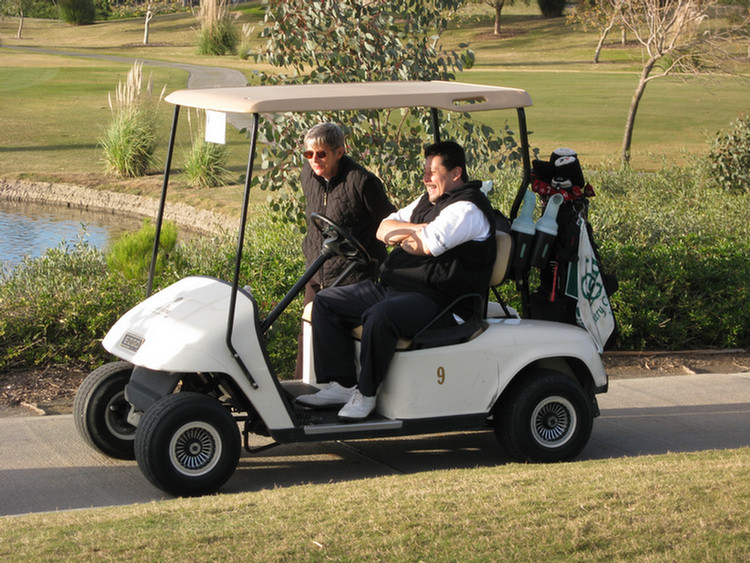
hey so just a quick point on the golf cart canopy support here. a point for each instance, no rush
(299, 98)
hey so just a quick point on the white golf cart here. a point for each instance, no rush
(194, 376)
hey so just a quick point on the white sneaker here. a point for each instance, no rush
(331, 395)
(359, 407)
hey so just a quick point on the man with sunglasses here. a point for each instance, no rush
(348, 194)
(444, 248)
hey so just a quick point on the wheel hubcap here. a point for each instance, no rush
(116, 417)
(195, 449)
(553, 422)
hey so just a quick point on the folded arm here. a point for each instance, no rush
(408, 235)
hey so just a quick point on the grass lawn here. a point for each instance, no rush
(55, 106)
(691, 508)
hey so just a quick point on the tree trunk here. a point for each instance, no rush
(149, 17)
(627, 138)
(498, 9)
(602, 39)
(20, 25)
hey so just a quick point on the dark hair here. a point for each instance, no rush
(452, 155)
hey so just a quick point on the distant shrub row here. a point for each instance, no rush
(678, 245)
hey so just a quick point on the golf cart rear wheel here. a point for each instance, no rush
(100, 410)
(547, 419)
(187, 444)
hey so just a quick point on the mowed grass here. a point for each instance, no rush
(691, 508)
(55, 106)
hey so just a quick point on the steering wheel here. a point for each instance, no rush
(338, 241)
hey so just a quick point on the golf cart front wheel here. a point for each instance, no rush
(547, 419)
(187, 444)
(100, 410)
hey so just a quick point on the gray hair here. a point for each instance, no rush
(328, 134)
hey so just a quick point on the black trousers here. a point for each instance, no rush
(385, 315)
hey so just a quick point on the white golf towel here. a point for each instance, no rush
(585, 284)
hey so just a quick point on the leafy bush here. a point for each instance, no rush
(55, 309)
(78, 12)
(130, 255)
(552, 8)
(43, 9)
(729, 157)
(679, 249)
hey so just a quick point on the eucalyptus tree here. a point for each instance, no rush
(351, 41)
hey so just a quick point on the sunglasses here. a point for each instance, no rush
(320, 154)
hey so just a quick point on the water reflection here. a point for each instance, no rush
(29, 229)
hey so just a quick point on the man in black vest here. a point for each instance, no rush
(445, 248)
(351, 196)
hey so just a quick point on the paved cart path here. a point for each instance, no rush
(45, 466)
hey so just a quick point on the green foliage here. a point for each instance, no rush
(679, 248)
(218, 34)
(219, 39)
(729, 157)
(55, 309)
(129, 143)
(319, 41)
(130, 140)
(78, 12)
(130, 255)
(205, 164)
(551, 8)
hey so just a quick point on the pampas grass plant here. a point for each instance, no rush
(218, 34)
(130, 140)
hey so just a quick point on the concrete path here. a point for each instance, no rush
(45, 466)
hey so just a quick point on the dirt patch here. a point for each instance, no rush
(37, 392)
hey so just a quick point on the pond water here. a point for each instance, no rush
(28, 229)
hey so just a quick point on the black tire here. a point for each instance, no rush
(547, 418)
(187, 444)
(100, 411)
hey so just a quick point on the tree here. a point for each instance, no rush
(497, 6)
(150, 10)
(601, 15)
(16, 8)
(350, 41)
(676, 38)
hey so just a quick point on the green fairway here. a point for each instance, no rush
(55, 106)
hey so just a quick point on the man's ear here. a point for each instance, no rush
(457, 173)
(339, 152)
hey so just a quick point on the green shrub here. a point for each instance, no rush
(55, 309)
(679, 249)
(205, 164)
(221, 38)
(130, 255)
(78, 12)
(729, 157)
(130, 140)
(552, 8)
(218, 34)
(129, 144)
(43, 9)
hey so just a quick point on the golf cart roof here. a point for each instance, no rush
(451, 96)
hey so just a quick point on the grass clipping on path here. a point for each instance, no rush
(677, 507)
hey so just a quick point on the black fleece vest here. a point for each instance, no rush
(356, 200)
(463, 269)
